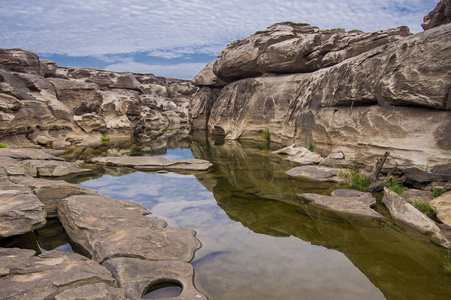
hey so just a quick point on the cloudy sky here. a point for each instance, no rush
(176, 38)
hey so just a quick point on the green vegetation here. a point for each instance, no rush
(3, 145)
(447, 264)
(105, 138)
(395, 185)
(311, 147)
(355, 180)
(386, 225)
(265, 134)
(426, 209)
(437, 192)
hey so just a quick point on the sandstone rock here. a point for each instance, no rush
(45, 276)
(443, 206)
(50, 192)
(98, 291)
(51, 168)
(91, 122)
(300, 155)
(109, 228)
(318, 173)
(289, 48)
(18, 60)
(47, 67)
(135, 276)
(364, 197)
(206, 77)
(20, 210)
(43, 141)
(342, 204)
(155, 163)
(439, 16)
(417, 196)
(406, 213)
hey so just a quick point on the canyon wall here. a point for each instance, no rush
(359, 93)
(43, 103)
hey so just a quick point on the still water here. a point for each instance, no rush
(260, 241)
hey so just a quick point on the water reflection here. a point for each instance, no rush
(261, 242)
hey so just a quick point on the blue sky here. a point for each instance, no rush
(177, 38)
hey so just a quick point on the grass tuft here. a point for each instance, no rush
(426, 209)
(396, 186)
(105, 138)
(3, 145)
(311, 147)
(447, 264)
(355, 180)
(437, 192)
(265, 134)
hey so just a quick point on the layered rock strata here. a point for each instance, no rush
(46, 103)
(439, 16)
(392, 96)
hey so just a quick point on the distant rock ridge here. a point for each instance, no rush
(439, 16)
(39, 98)
(357, 93)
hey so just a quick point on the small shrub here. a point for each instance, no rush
(395, 186)
(105, 138)
(437, 192)
(3, 145)
(426, 209)
(447, 264)
(311, 147)
(355, 180)
(265, 134)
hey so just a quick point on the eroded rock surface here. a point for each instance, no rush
(155, 163)
(136, 275)
(349, 205)
(25, 276)
(109, 228)
(443, 206)
(439, 16)
(318, 173)
(20, 210)
(300, 155)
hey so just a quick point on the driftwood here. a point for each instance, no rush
(377, 185)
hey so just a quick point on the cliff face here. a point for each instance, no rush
(40, 99)
(355, 92)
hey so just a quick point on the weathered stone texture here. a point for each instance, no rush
(439, 16)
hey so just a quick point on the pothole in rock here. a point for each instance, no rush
(163, 290)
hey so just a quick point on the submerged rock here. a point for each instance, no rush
(363, 197)
(25, 276)
(155, 163)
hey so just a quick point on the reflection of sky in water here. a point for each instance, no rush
(234, 262)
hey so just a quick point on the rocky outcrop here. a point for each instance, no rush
(317, 173)
(38, 98)
(296, 48)
(394, 97)
(443, 206)
(155, 163)
(300, 155)
(439, 16)
(51, 275)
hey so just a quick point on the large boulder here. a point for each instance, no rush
(439, 16)
(18, 60)
(443, 206)
(296, 48)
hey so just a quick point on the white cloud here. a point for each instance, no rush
(88, 28)
(182, 71)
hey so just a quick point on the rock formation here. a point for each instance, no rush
(46, 103)
(322, 87)
(439, 16)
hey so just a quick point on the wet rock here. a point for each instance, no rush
(136, 276)
(20, 210)
(155, 163)
(344, 204)
(109, 228)
(403, 211)
(50, 192)
(443, 205)
(318, 173)
(439, 16)
(25, 276)
(364, 197)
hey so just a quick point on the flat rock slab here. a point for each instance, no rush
(136, 275)
(364, 197)
(300, 155)
(443, 205)
(25, 276)
(318, 173)
(155, 163)
(109, 228)
(342, 204)
(405, 212)
(20, 210)
(49, 192)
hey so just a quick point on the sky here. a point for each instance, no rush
(177, 38)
